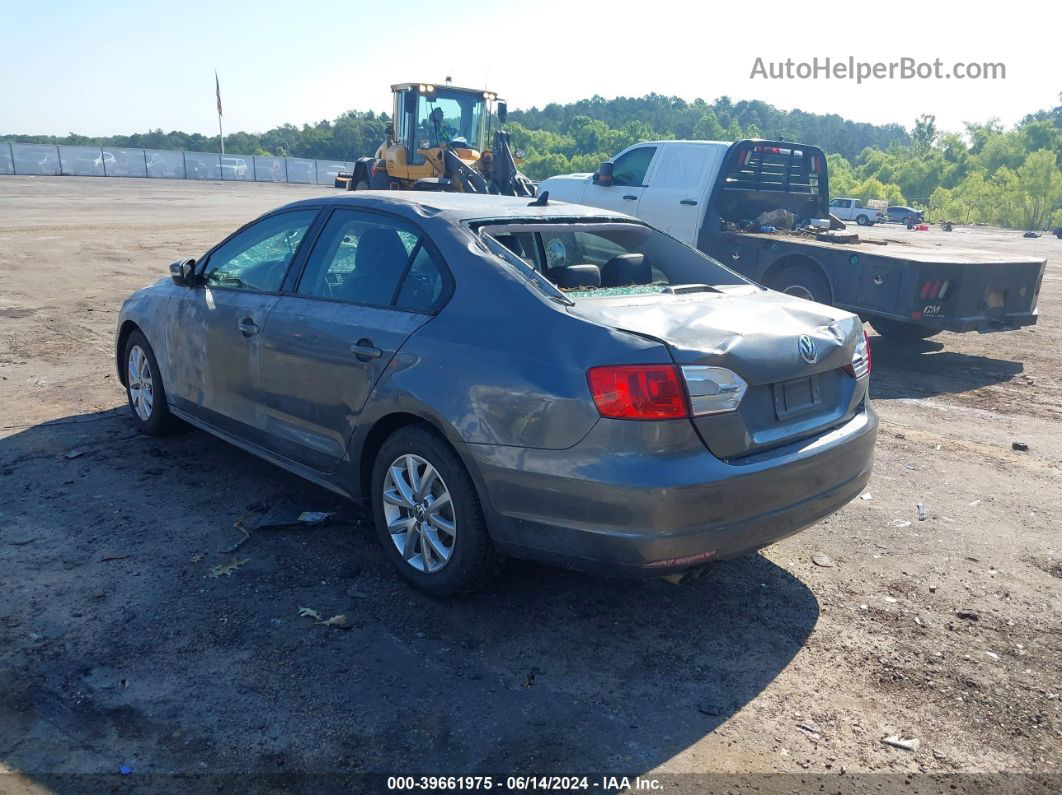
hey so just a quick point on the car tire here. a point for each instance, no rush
(862, 220)
(803, 282)
(362, 185)
(902, 332)
(144, 389)
(458, 560)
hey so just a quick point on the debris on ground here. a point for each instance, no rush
(866, 495)
(284, 515)
(810, 727)
(226, 569)
(899, 742)
(1021, 446)
(921, 509)
(76, 452)
(822, 559)
(900, 523)
(1031, 234)
(968, 615)
(339, 620)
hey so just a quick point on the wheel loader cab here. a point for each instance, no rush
(430, 118)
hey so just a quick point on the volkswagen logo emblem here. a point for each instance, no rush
(807, 348)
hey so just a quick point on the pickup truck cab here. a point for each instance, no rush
(709, 194)
(854, 210)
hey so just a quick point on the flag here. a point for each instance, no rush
(217, 85)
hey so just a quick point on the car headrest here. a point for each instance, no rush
(379, 250)
(378, 260)
(572, 276)
(626, 269)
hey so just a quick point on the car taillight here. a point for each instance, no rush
(934, 290)
(638, 391)
(860, 365)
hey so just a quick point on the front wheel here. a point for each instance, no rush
(144, 389)
(900, 331)
(428, 516)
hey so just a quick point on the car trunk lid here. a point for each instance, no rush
(756, 334)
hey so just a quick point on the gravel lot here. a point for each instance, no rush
(118, 647)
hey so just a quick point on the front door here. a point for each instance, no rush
(215, 339)
(368, 284)
(628, 181)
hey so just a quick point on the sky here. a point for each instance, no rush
(120, 67)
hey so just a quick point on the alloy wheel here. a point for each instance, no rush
(419, 513)
(138, 376)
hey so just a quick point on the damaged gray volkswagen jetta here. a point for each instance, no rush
(542, 380)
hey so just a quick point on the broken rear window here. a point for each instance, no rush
(601, 260)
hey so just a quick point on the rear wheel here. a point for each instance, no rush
(428, 516)
(900, 331)
(803, 282)
(144, 389)
(362, 185)
(862, 220)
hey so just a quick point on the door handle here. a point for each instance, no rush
(247, 327)
(690, 202)
(365, 350)
(631, 197)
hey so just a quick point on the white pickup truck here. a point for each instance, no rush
(710, 194)
(855, 210)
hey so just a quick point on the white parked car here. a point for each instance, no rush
(233, 168)
(855, 210)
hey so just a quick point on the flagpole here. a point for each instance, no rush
(221, 132)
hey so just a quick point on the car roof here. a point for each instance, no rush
(455, 206)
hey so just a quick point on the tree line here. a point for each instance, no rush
(986, 174)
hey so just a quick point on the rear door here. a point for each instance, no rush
(214, 339)
(674, 197)
(370, 281)
(629, 172)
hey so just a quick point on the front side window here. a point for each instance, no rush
(257, 258)
(630, 167)
(366, 259)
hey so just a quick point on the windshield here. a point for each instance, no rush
(448, 116)
(602, 260)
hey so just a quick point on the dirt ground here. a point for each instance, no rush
(119, 648)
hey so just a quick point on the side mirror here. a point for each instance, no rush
(603, 175)
(410, 102)
(503, 112)
(183, 272)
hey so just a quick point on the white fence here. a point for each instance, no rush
(110, 161)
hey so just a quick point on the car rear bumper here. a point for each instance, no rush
(602, 506)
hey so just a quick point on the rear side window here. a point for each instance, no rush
(365, 259)
(256, 258)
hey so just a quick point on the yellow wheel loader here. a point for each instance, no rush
(438, 142)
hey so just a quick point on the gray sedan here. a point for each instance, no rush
(497, 377)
